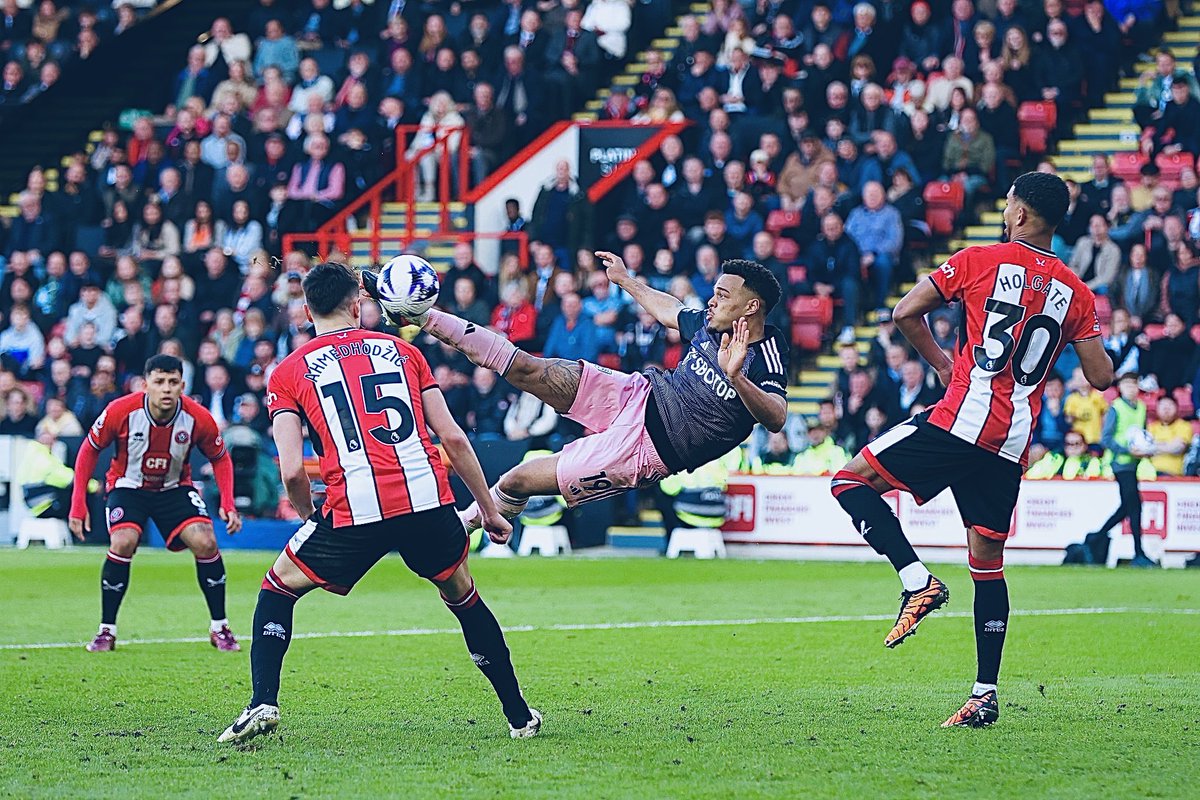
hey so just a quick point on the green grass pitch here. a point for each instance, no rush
(1094, 705)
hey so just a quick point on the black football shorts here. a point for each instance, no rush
(172, 510)
(923, 460)
(432, 543)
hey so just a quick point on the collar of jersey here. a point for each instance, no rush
(156, 423)
(339, 330)
(1035, 248)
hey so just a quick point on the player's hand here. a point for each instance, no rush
(614, 266)
(78, 526)
(497, 527)
(233, 520)
(945, 374)
(732, 354)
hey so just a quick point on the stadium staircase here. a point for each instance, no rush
(125, 72)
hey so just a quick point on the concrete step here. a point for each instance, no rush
(1118, 114)
(1095, 146)
(1108, 130)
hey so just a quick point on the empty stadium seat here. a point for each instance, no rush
(1037, 119)
(943, 203)
(806, 336)
(811, 308)
(1170, 165)
(1128, 166)
(798, 273)
(786, 250)
(1184, 398)
(779, 220)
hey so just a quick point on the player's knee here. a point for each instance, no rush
(202, 543)
(844, 480)
(514, 483)
(124, 543)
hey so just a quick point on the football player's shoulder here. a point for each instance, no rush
(195, 409)
(125, 405)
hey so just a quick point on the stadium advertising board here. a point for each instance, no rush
(603, 148)
(786, 510)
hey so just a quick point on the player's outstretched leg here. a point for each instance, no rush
(272, 635)
(857, 489)
(489, 651)
(114, 582)
(210, 574)
(554, 381)
(538, 476)
(986, 561)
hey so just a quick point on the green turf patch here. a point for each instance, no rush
(1092, 705)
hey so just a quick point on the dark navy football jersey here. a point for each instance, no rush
(699, 414)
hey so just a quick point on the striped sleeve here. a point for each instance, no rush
(770, 370)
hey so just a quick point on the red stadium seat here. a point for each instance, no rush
(779, 220)
(797, 273)
(610, 361)
(810, 308)
(1170, 165)
(1037, 119)
(940, 221)
(1154, 331)
(944, 194)
(807, 336)
(1184, 398)
(1128, 166)
(786, 250)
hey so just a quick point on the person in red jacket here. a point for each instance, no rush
(154, 432)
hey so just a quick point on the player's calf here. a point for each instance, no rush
(114, 583)
(489, 651)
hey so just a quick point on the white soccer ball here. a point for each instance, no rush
(1141, 442)
(408, 286)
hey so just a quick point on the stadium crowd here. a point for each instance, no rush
(816, 126)
(40, 39)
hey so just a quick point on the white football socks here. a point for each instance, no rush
(215, 625)
(982, 688)
(914, 577)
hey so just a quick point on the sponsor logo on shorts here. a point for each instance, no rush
(275, 629)
(182, 437)
(116, 514)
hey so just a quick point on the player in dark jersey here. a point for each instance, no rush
(1022, 307)
(149, 479)
(649, 425)
(369, 401)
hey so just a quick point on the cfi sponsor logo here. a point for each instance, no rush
(994, 626)
(275, 629)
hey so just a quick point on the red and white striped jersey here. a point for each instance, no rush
(152, 455)
(1022, 307)
(360, 394)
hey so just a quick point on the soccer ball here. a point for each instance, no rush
(407, 286)
(1141, 442)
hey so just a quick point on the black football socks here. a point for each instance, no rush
(485, 642)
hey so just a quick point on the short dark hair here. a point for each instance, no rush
(163, 363)
(328, 287)
(1127, 376)
(758, 280)
(1045, 194)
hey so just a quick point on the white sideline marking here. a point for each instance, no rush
(616, 626)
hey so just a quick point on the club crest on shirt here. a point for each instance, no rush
(182, 437)
(115, 514)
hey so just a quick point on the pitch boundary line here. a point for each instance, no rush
(617, 626)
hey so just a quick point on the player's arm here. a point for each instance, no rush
(769, 409)
(289, 440)
(662, 306)
(79, 520)
(466, 464)
(213, 447)
(909, 317)
(1097, 366)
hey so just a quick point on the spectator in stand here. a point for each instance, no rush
(878, 231)
(441, 120)
(573, 57)
(33, 230)
(1121, 343)
(519, 94)
(318, 181)
(276, 49)
(939, 89)
(561, 215)
(93, 307)
(194, 80)
(22, 346)
(18, 417)
(516, 316)
(1052, 423)
(970, 156)
(1178, 128)
(1085, 408)
(488, 403)
(1171, 436)
(1153, 93)
(489, 133)
(1096, 257)
(467, 305)
(1169, 359)
(834, 265)
(1097, 192)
